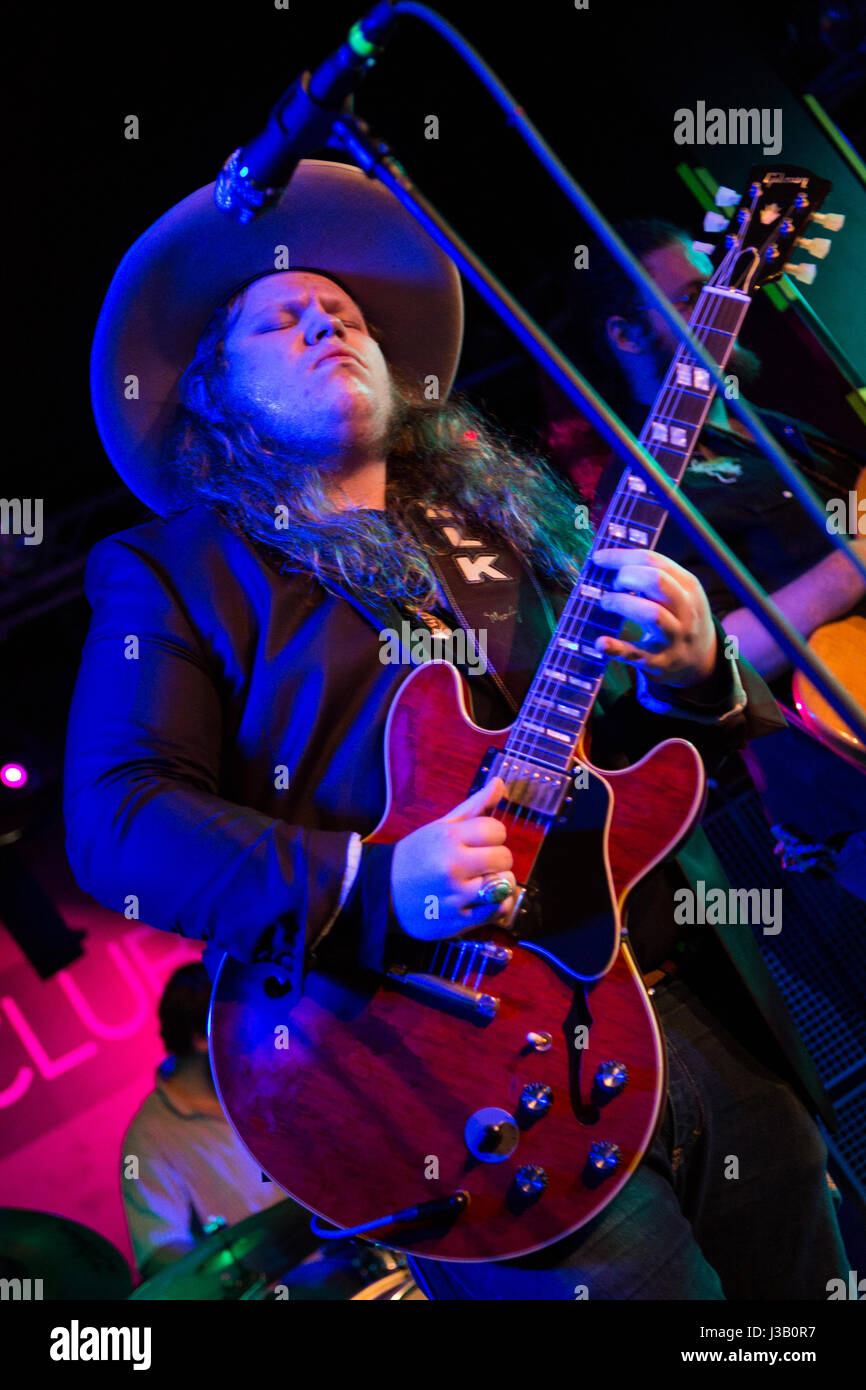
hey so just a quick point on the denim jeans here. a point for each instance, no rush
(685, 1226)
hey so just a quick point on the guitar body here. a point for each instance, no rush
(365, 1111)
(841, 646)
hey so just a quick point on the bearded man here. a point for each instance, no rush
(289, 421)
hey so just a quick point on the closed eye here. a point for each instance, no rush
(275, 327)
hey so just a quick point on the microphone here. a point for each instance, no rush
(254, 176)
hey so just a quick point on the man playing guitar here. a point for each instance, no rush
(225, 740)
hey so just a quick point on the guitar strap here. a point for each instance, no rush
(492, 593)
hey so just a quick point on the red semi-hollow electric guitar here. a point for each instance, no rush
(512, 1078)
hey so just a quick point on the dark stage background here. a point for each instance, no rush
(602, 84)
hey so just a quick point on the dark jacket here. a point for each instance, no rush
(226, 738)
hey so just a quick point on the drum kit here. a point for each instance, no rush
(270, 1255)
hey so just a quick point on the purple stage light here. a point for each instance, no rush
(13, 775)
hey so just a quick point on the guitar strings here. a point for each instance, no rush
(705, 317)
(671, 393)
(578, 610)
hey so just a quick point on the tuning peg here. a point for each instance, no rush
(706, 247)
(715, 222)
(804, 273)
(833, 221)
(817, 246)
(726, 197)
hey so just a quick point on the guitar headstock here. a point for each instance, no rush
(767, 226)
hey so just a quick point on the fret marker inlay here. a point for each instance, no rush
(547, 731)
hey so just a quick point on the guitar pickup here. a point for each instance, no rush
(527, 784)
(446, 992)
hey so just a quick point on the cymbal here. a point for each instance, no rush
(398, 1287)
(231, 1261)
(71, 1260)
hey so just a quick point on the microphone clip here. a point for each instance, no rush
(236, 194)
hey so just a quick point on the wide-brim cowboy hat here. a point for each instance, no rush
(331, 218)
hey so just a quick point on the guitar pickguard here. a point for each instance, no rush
(571, 912)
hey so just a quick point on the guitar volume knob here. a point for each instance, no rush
(530, 1179)
(536, 1098)
(611, 1077)
(603, 1157)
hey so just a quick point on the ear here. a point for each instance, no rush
(624, 335)
(195, 395)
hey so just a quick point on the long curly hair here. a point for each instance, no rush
(444, 453)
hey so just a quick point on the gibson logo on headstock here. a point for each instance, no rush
(782, 177)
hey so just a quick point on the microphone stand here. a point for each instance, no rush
(375, 158)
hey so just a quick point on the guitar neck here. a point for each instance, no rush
(548, 728)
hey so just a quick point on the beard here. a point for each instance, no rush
(299, 466)
(743, 363)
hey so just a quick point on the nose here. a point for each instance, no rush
(321, 324)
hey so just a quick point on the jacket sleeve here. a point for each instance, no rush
(147, 832)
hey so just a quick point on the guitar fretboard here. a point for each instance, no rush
(548, 728)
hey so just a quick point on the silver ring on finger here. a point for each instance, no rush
(494, 890)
